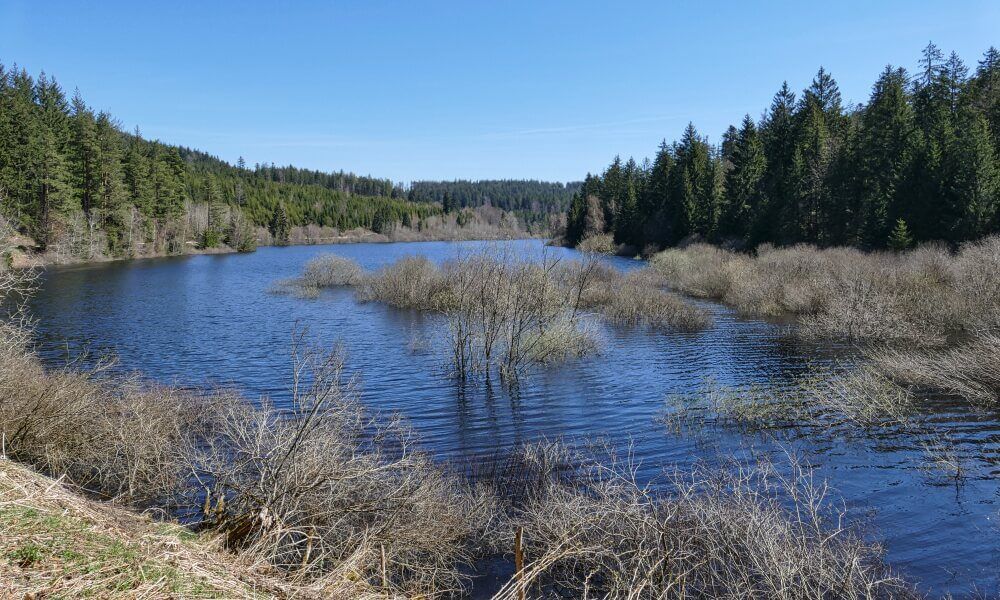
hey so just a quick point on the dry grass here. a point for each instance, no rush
(55, 543)
(924, 297)
(735, 533)
(970, 370)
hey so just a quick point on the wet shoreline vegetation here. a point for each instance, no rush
(323, 499)
(927, 318)
(506, 313)
(334, 502)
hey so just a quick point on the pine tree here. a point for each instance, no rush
(694, 192)
(778, 133)
(611, 192)
(656, 196)
(885, 149)
(628, 220)
(973, 175)
(743, 181)
(280, 226)
(138, 175)
(900, 238)
(987, 92)
(115, 218)
(448, 204)
(84, 156)
(818, 126)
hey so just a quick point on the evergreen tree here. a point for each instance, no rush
(885, 148)
(115, 218)
(448, 204)
(743, 180)
(900, 238)
(628, 221)
(280, 226)
(611, 192)
(656, 197)
(818, 125)
(777, 215)
(85, 155)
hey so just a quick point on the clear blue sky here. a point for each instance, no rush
(442, 90)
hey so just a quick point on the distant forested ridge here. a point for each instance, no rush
(532, 201)
(81, 187)
(918, 162)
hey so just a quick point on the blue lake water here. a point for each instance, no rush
(210, 321)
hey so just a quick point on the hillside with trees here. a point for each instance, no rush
(917, 162)
(80, 187)
(534, 202)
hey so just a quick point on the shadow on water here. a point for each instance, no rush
(209, 320)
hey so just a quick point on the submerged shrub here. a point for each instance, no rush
(411, 282)
(331, 270)
(730, 533)
(970, 370)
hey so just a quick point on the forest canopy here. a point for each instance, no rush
(917, 162)
(79, 185)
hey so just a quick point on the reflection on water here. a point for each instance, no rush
(209, 320)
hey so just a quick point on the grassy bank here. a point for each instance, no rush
(58, 543)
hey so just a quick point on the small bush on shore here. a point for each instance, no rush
(598, 244)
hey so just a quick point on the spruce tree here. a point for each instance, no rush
(900, 238)
(743, 181)
(280, 226)
(778, 134)
(885, 148)
(656, 196)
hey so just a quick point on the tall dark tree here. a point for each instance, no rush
(744, 178)
(885, 149)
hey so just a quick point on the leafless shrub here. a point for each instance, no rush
(598, 244)
(330, 270)
(320, 485)
(637, 298)
(925, 297)
(412, 282)
(118, 439)
(970, 370)
(511, 313)
(734, 533)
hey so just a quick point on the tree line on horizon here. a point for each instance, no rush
(74, 181)
(917, 162)
(534, 202)
(71, 178)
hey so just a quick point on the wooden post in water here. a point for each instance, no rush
(519, 562)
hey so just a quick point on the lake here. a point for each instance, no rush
(211, 321)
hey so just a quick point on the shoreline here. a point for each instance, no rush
(24, 260)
